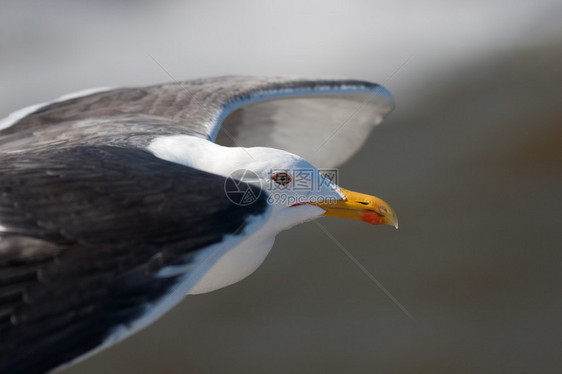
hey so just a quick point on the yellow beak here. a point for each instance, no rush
(359, 206)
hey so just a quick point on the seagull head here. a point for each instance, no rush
(296, 190)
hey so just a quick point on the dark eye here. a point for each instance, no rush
(282, 179)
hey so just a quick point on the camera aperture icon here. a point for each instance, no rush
(242, 187)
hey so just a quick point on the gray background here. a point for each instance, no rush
(470, 160)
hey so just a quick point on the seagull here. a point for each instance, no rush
(116, 203)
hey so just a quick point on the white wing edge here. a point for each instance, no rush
(214, 126)
(14, 117)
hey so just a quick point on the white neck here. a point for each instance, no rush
(243, 259)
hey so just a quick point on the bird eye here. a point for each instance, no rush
(282, 179)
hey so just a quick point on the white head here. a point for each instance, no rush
(297, 191)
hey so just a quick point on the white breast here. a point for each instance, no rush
(235, 265)
(243, 259)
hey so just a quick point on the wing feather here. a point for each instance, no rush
(85, 231)
(323, 120)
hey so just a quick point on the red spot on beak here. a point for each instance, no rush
(372, 218)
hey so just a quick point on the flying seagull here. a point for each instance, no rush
(115, 203)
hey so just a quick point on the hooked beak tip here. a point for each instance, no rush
(369, 209)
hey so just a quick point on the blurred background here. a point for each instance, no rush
(470, 160)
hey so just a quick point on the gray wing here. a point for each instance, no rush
(323, 120)
(84, 234)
